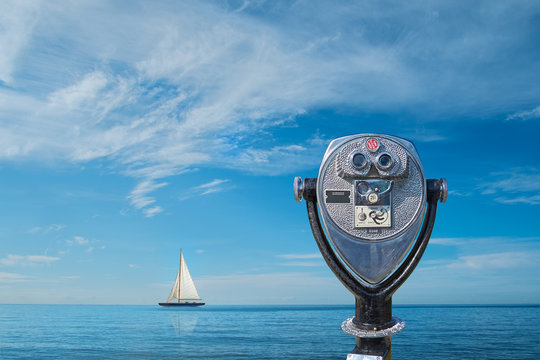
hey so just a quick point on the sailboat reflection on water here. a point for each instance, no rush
(183, 290)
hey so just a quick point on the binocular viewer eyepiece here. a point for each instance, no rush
(366, 207)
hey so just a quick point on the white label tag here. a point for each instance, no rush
(363, 357)
(372, 216)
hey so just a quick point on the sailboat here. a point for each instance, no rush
(183, 289)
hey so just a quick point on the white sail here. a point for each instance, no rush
(174, 290)
(184, 287)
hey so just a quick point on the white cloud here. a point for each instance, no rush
(27, 260)
(528, 200)
(18, 20)
(83, 92)
(166, 88)
(12, 277)
(149, 212)
(459, 193)
(211, 184)
(494, 257)
(80, 240)
(34, 230)
(515, 180)
(139, 196)
(211, 191)
(496, 260)
(509, 185)
(422, 134)
(48, 229)
(300, 256)
(484, 242)
(447, 241)
(490, 262)
(525, 115)
(77, 240)
(55, 227)
(279, 159)
(211, 187)
(302, 264)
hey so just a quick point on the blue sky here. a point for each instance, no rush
(130, 130)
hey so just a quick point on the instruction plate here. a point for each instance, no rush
(372, 216)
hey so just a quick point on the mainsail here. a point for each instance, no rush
(184, 287)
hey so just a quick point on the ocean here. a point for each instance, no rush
(259, 332)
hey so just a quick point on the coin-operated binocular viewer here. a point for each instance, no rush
(374, 200)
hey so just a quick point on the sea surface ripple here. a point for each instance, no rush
(259, 332)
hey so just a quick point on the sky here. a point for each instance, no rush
(132, 129)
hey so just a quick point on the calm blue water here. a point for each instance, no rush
(258, 332)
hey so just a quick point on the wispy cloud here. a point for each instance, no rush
(211, 187)
(151, 211)
(214, 186)
(34, 230)
(422, 134)
(459, 193)
(278, 159)
(487, 262)
(487, 255)
(300, 260)
(75, 96)
(482, 242)
(207, 84)
(528, 200)
(302, 264)
(141, 200)
(18, 21)
(77, 240)
(27, 260)
(515, 180)
(300, 256)
(516, 186)
(12, 277)
(484, 253)
(47, 229)
(447, 241)
(80, 240)
(525, 115)
(496, 260)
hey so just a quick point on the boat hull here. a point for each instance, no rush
(193, 304)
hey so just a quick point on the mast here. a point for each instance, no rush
(180, 275)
